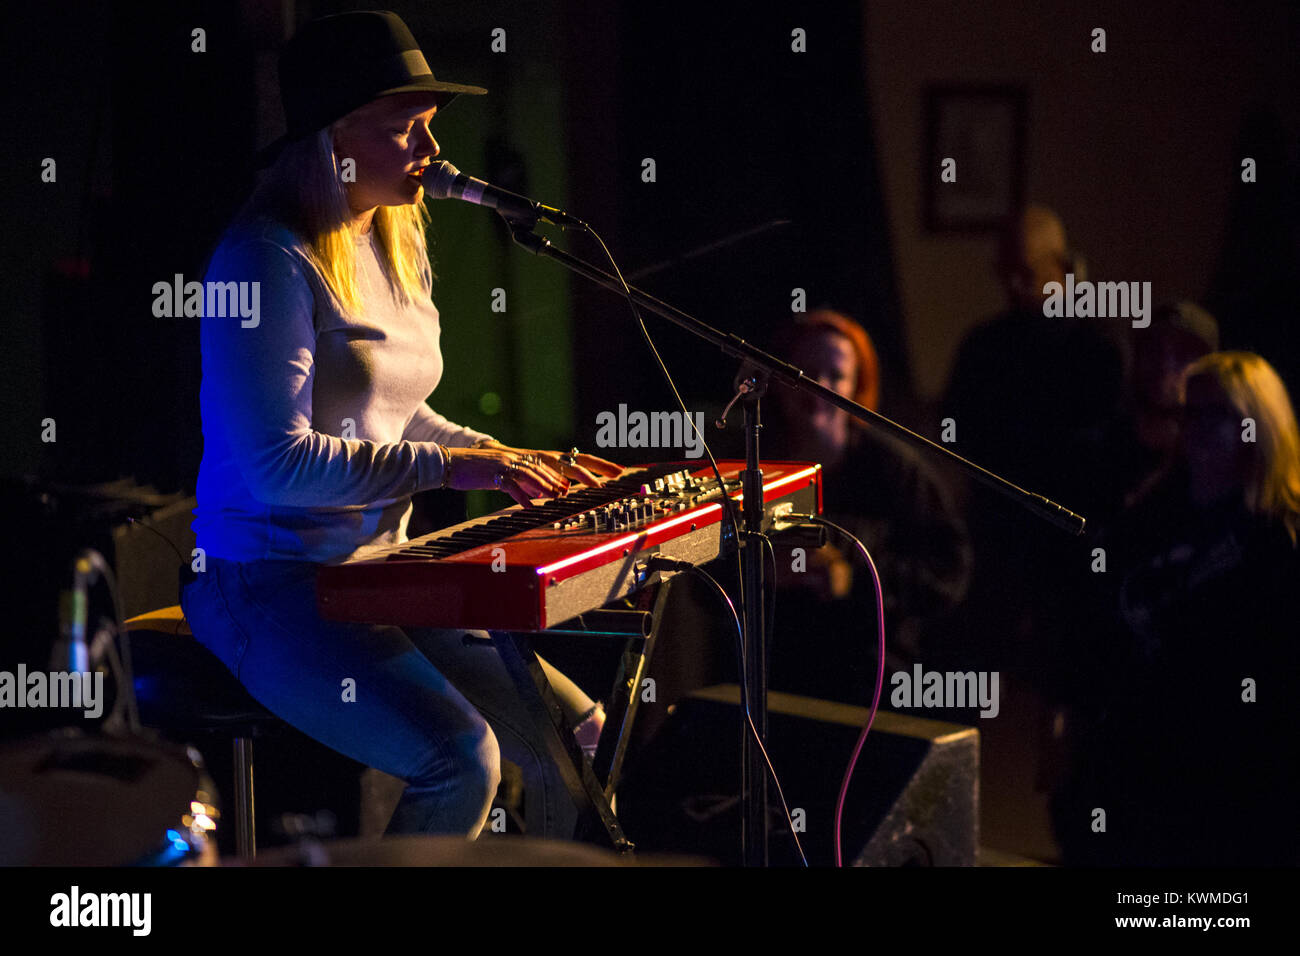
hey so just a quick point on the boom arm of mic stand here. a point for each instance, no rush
(753, 778)
(786, 373)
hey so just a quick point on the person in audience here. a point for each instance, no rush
(1193, 645)
(1038, 399)
(881, 491)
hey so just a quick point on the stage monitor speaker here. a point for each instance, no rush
(149, 552)
(913, 800)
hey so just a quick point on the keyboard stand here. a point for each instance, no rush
(591, 784)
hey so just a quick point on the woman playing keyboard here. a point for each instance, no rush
(316, 435)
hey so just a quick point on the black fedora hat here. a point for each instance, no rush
(338, 63)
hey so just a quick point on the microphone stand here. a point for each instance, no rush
(763, 366)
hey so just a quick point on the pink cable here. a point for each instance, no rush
(875, 703)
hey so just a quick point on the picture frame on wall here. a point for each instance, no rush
(982, 129)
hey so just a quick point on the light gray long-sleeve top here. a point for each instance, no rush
(315, 427)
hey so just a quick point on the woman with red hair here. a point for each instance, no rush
(880, 490)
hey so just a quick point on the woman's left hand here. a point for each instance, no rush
(588, 469)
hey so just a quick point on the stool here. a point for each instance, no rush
(181, 687)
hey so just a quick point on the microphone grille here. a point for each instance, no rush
(439, 178)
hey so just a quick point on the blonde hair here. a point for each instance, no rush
(1257, 392)
(303, 189)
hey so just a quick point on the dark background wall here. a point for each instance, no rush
(743, 132)
(1138, 148)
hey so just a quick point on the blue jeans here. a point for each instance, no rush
(424, 705)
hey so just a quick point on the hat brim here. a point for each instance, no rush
(446, 92)
(432, 86)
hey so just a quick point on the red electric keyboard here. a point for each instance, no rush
(529, 569)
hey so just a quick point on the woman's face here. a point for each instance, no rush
(1212, 440)
(389, 140)
(828, 358)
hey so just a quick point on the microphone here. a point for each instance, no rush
(442, 180)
